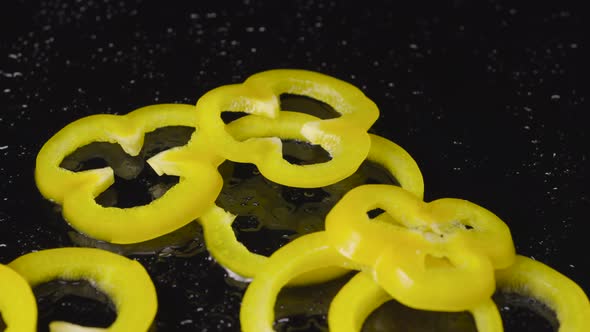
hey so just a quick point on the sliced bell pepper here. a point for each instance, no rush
(345, 137)
(432, 256)
(124, 280)
(194, 163)
(534, 279)
(303, 255)
(361, 296)
(17, 302)
(219, 235)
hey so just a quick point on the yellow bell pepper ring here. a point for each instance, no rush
(305, 254)
(76, 191)
(421, 254)
(125, 281)
(17, 302)
(361, 295)
(534, 279)
(345, 138)
(354, 303)
(219, 235)
(454, 281)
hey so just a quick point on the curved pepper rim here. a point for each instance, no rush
(400, 251)
(219, 235)
(353, 304)
(125, 281)
(17, 302)
(534, 279)
(259, 95)
(76, 191)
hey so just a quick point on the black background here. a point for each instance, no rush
(489, 98)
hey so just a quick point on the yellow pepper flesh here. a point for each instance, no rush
(307, 253)
(423, 255)
(345, 137)
(17, 302)
(220, 237)
(124, 280)
(534, 279)
(443, 255)
(76, 190)
(361, 295)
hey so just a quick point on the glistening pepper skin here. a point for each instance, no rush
(303, 255)
(423, 254)
(361, 296)
(219, 235)
(446, 255)
(463, 282)
(125, 281)
(17, 302)
(75, 191)
(536, 280)
(345, 137)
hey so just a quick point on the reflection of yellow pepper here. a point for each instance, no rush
(17, 302)
(345, 137)
(527, 277)
(220, 237)
(361, 295)
(125, 281)
(76, 190)
(424, 254)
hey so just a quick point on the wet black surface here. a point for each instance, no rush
(489, 99)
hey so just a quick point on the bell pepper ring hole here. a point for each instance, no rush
(374, 213)
(380, 215)
(269, 215)
(522, 313)
(394, 316)
(136, 183)
(75, 302)
(304, 308)
(307, 105)
(303, 153)
(250, 232)
(228, 116)
(300, 152)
